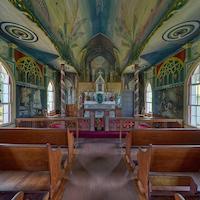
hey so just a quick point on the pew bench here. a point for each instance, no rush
(144, 137)
(179, 197)
(166, 170)
(11, 196)
(30, 168)
(56, 137)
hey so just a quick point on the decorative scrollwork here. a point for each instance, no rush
(171, 66)
(181, 31)
(29, 71)
(18, 32)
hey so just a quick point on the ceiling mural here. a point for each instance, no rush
(127, 31)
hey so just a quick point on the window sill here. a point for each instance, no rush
(8, 125)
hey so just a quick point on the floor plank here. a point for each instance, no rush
(99, 173)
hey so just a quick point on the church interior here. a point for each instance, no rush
(99, 100)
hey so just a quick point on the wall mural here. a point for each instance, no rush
(72, 23)
(4, 49)
(169, 102)
(29, 102)
(30, 86)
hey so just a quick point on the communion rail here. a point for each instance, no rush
(118, 124)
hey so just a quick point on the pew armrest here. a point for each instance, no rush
(56, 174)
(18, 196)
(179, 197)
(144, 160)
(71, 146)
(128, 144)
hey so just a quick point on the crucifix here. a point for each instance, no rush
(100, 73)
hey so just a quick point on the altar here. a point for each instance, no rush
(100, 105)
(99, 109)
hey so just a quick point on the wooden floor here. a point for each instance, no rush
(99, 173)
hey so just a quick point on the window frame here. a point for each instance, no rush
(9, 103)
(147, 101)
(53, 102)
(190, 105)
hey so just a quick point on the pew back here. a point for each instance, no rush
(58, 137)
(160, 159)
(175, 158)
(23, 157)
(177, 136)
(34, 136)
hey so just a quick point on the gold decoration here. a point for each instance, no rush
(172, 66)
(28, 68)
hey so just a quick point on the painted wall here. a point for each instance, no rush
(31, 98)
(169, 81)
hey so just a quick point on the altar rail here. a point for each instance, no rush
(120, 124)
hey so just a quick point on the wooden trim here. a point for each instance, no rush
(179, 197)
(18, 196)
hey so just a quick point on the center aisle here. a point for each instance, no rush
(99, 173)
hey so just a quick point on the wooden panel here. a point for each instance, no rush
(33, 136)
(18, 157)
(18, 196)
(165, 136)
(175, 159)
(179, 197)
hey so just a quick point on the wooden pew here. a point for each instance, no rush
(165, 170)
(30, 168)
(18, 196)
(179, 197)
(59, 137)
(11, 195)
(144, 137)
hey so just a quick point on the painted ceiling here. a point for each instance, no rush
(128, 31)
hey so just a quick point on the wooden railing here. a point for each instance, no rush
(120, 124)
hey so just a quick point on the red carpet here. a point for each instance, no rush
(101, 134)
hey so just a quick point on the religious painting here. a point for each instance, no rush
(37, 104)
(169, 102)
(29, 102)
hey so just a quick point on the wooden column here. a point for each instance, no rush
(136, 92)
(62, 87)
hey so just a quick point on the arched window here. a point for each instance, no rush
(194, 98)
(5, 95)
(148, 99)
(50, 97)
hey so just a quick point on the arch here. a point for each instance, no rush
(148, 98)
(192, 95)
(10, 95)
(51, 97)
